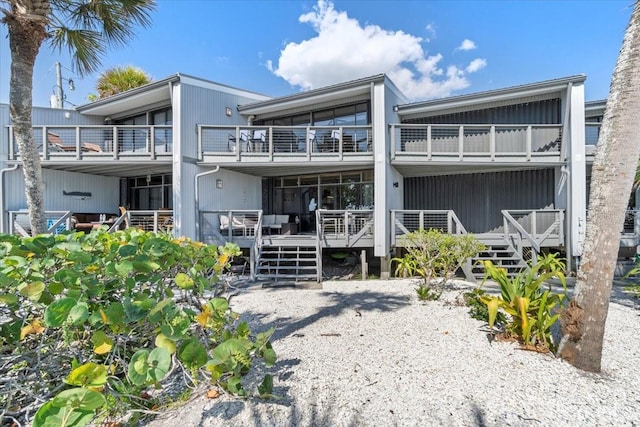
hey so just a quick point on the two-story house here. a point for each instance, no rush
(350, 167)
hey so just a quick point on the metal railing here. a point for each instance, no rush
(57, 222)
(221, 226)
(347, 225)
(270, 141)
(406, 221)
(147, 220)
(98, 141)
(457, 140)
(533, 228)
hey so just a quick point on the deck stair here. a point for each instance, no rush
(502, 255)
(287, 261)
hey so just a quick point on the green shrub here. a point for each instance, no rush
(531, 308)
(432, 254)
(100, 318)
(477, 309)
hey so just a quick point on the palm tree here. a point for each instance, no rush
(614, 170)
(120, 79)
(86, 28)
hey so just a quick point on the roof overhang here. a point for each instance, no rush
(316, 96)
(516, 94)
(153, 93)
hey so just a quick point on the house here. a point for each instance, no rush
(349, 167)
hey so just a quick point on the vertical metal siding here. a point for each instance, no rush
(538, 112)
(478, 198)
(104, 192)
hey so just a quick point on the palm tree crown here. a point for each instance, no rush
(120, 79)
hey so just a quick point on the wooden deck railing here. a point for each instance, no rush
(406, 221)
(462, 141)
(348, 226)
(147, 220)
(533, 228)
(96, 141)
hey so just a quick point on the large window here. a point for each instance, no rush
(350, 115)
(151, 192)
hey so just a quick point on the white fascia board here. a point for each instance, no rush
(206, 84)
(496, 96)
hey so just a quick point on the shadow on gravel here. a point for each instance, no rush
(478, 416)
(335, 304)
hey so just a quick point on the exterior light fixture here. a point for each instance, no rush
(228, 112)
(218, 183)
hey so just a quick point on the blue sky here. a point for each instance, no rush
(429, 48)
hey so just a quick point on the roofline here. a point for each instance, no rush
(159, 84)
(131, 92)
(313, 93)
(491, 95)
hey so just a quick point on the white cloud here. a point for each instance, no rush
(344, 50)
(476, 64)
(467, 45)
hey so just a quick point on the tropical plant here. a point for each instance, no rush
(86, 28)
(92, 322)
(528, 300)
(120, 79)
(477, 309)
(432, 254)
(583, 322)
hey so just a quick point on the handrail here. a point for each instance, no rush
(55, 219)
(533, 236)
(99, 141)
(147, 220)
(351, 225)
(234, 142)
(446, 220)
(460, 140)
(256, 248)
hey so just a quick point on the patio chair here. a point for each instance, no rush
(257, 142)
(244, 140)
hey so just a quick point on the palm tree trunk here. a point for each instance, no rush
(27, 30)
(583, 322)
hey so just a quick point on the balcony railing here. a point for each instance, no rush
(272, 141)
(347, 226)
(463, 141)
(407, 221)
(95, 141)
(57, 222)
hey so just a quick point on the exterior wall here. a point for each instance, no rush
(105, 192)
(477, 199)
(239, 191)
(384, 97)
(195, 105)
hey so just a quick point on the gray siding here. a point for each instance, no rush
(477, 199)
(104, 192)
(538, 112)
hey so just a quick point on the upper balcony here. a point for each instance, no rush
(97, 142)
(284, 144)
(476, 143)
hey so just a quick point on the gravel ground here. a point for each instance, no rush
(364, 353)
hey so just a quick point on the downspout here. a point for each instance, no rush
(197, 197)
(566, 174)
(2, 172)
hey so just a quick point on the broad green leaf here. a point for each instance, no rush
(80, 398)
(234, 385)
(33, 290)
(78, 314)
(13, 261)
(8, 299)
(166, 343)
(159, 364)
(58, 312)
(183, 281)
(269, 356)
(124, 268)
(193, 354)
(143, 264)
(55, 288)
(52, 416)
(127, 250)
(80, 257)
(138, 367)
(88, 375)
(102, 344)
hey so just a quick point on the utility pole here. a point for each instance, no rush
(59, 92)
